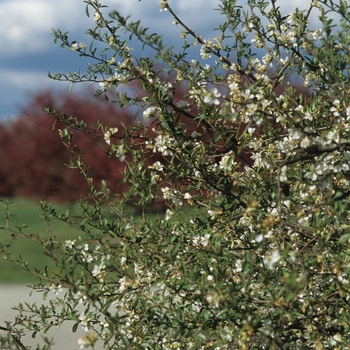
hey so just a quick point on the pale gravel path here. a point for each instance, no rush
(12, 295)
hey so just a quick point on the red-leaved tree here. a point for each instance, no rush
(33, 157)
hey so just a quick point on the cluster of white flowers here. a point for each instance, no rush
(227, 163)
(120, 152)
(173, 195)
(204, 52)
(56, 288)
(84, 321)
(201, 240)
(165, 144)
(108, 134)
(75, 46)
(98, 271)
(121, 76)
(151, 112)
(157, 166)
(88, 340)
(182, 105)
(272, 259)
(163, 5)
(168, 214)
(69, 243)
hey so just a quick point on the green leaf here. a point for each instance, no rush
(344, 238)
(75, 327)
(217, 137)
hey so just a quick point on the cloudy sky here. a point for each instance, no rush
(27, 48)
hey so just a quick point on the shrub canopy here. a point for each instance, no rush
(253, 250)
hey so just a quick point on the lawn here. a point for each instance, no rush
(28, 212)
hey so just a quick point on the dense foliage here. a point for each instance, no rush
(253, 251)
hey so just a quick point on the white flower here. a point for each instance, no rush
(204, 52)
(211, 213)
(259, 238)
(74, 46)
(122, 285)
(316, 34)
(69, 243)
(313, 173)
(87, 340)
(168, 214)
(205, 240)
(166, 88)
(195, 240)
(104, 324)
(305, 142)
(202, 240)
(150, 112)
(83, 342)
(163, 143)
(157, 166)
(155, 178)
(251, 130)
(211, 97)
(167, 193)
(347, 113)
(238, 266)
(120, 153)
(81, 298)
(97, 17)
(343, 280)
(98, 270)
(295, 134)
(56, 288)
(182, 105)
(271, 260)
(187, 196)
(258, 160)
(226, 163)
(84, 321)
(108, 134)
(163, 5)
(283, 175)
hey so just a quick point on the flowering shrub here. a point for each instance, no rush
(246, 257)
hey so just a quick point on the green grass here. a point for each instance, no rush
(28, 212)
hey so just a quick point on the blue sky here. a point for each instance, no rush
(28, 52)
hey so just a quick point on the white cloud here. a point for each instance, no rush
(25, 25)
(23, 79)
(15, 87)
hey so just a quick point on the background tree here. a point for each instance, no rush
(253, 259)
(34, 161)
